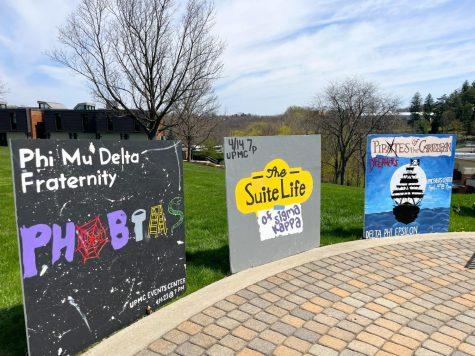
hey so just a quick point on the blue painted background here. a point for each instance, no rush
(435, 206)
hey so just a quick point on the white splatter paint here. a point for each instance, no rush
(161, 149)
(92, 149)
(175, 145)
(43, 270)
(128, 296)
(74, 304)
(179, 169)
(60, 351)
(179, 242)
(62, 208)
(61, 335)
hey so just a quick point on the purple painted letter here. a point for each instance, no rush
(118, 230)
(32, 238)
(59, 242)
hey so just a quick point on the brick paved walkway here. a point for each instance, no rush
(402, 299)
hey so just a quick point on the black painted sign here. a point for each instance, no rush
(101, 236)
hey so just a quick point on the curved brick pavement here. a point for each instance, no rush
(401, 299)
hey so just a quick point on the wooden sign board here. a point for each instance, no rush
(408, 184)
(101, 236)
(273, 197)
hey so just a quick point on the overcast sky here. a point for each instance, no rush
(279, 52)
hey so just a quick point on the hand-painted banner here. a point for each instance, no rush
(408, 184)
(280, 221)
(277, 184)
(411, 146)
(101, 236)
(273, 197)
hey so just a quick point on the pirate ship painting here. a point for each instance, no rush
(407, 191)
(408, 184)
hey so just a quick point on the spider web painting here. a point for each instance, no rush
(92, 237)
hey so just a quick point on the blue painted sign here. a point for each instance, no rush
(408, 184)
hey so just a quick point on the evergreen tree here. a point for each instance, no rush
(454, 112)
(415, 109)
(465, 86)
(468, 95)
(465, 114)
(439, 107)
(428, 107)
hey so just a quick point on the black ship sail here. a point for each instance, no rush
(407, 196)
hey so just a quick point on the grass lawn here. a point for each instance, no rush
(206, 236)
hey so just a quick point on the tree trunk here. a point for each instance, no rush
(188, 153)
(363, 166)
(152, 134)
(357, 173)
(335, 172)
(342, 172)
(343, 163)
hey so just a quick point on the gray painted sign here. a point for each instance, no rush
(273, 197)
(101, 236)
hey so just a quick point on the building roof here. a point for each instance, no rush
(52, 105)
(80, 106)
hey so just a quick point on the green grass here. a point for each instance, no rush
(206, 236)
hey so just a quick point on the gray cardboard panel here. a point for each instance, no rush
(287, 221)
(101, 236)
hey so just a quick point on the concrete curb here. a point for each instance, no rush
(139, 335)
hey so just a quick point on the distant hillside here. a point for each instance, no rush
(295, 120)
(230, 123)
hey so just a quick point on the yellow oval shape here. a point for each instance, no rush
(276, 184)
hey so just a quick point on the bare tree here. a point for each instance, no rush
(195, 116)
(139, 55)
(351, 109)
